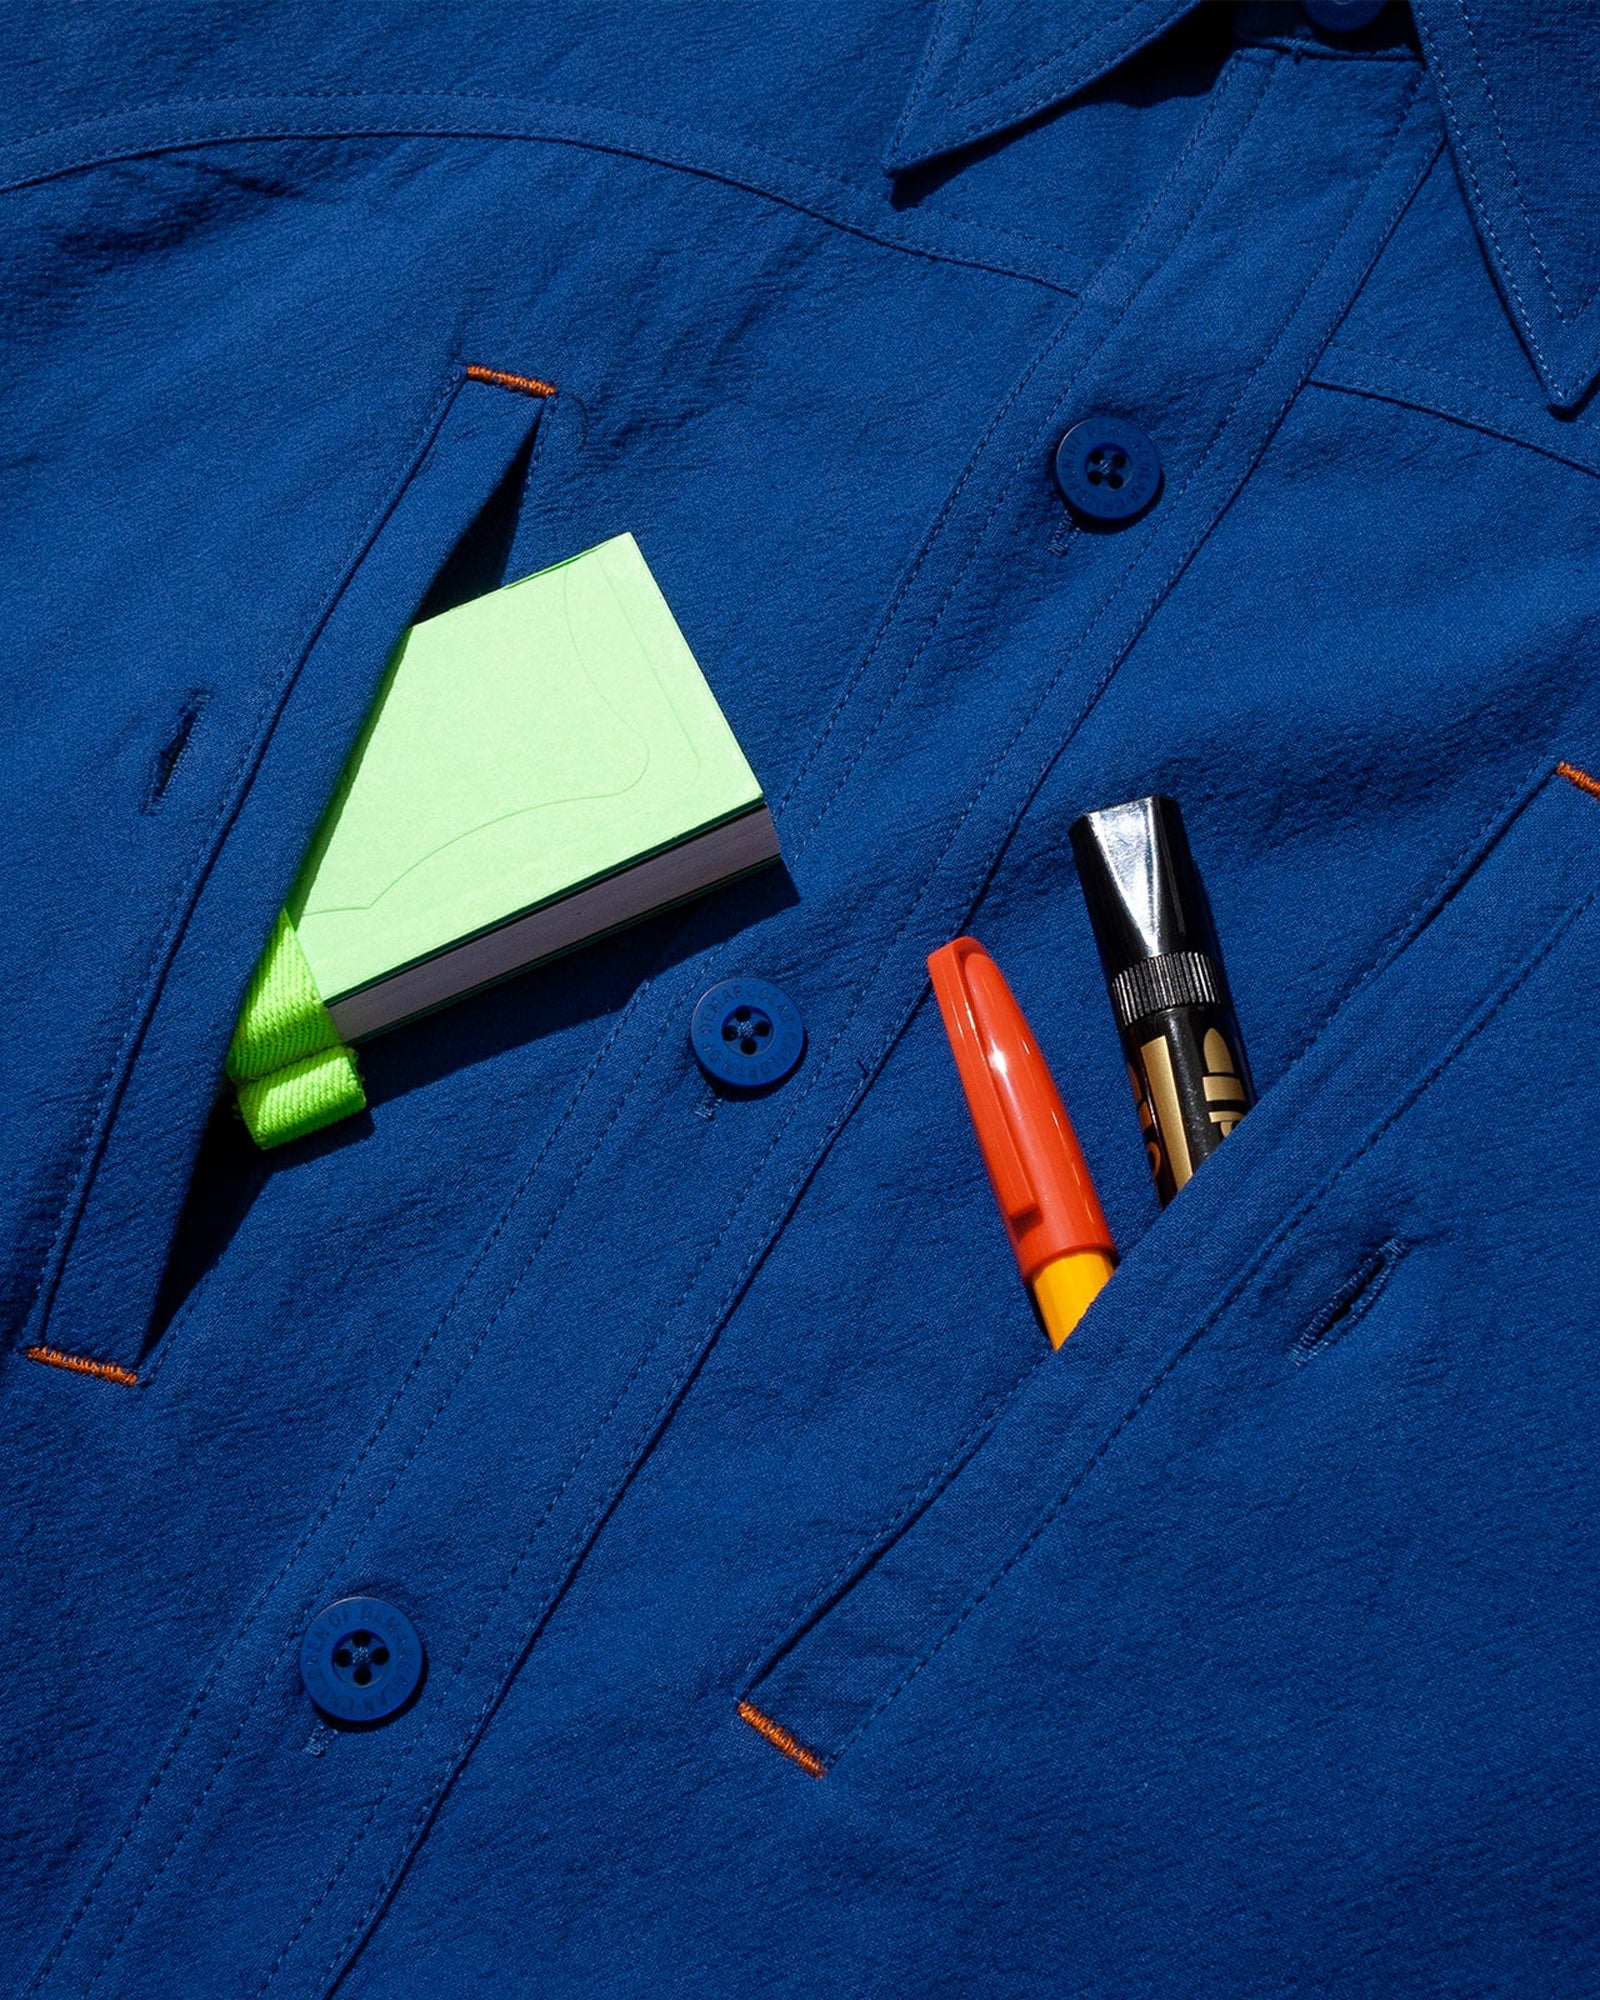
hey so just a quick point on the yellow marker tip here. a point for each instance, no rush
(1066, 1288)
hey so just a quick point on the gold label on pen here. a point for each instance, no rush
(1223, 1085)
(1147, 1121)
(1157, 1059)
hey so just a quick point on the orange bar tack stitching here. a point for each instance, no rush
(1581, 779)
(529, 385)
(80, 1364)
(780, 1739)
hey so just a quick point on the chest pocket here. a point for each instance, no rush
(1380, 1184)
(254, 793)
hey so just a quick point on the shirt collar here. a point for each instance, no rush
(1518, 85)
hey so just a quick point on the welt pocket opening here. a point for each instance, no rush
(102, 1300)
(1488, 928)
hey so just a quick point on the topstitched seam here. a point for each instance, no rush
(1439, 893)
(1330, 376)
(805, 1173)
(441, 1322)
(914, 94)
(1486, 1014)
(496, 1691)
(1101, 30)
(528, 104)
(863, 1557)
(1158, 594)
(669, 1321)
(168, 1340)
(862, 1561)
(98, 1124)
(1468, 860)
(1516, 184)
(809, 1168)
(608, 1498)
(892, 231)
(1438, 74)
(1422, 367)
(573, 1550)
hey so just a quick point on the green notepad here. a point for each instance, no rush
(542, 765)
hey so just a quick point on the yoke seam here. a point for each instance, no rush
(635, 147)
(1328, 375)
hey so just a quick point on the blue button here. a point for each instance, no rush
(1343, 17)
(1107, 469)
(747, 1034)
(360, 1659)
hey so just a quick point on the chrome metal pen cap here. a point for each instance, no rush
(1147, 907)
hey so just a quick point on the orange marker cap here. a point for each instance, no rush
(1040, 1177)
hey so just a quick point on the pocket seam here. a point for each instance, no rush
(102, 1115)
(1475, 1027)
(770, 1654)
(1481, 1018)
(822, 1600)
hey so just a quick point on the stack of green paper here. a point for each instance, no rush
(542, 765)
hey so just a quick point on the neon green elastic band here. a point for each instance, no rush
(293, 1073)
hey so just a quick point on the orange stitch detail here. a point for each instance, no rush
(81, 1365)
(1581, 779)
(780, 1739)
(529, 385)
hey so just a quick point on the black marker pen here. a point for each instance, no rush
(1168, 991)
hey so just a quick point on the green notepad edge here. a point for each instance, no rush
(293, 1074)
(630, 679)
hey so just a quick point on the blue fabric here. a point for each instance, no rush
(1244, 1647)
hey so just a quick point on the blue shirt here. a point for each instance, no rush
(796, 1621)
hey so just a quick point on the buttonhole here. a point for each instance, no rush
(1065, 535)
(174, 750)
(1354, 1298)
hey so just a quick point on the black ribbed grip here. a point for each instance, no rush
(1175, 979)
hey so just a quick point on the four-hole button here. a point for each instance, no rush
(1108, 470)
(747, 1033)
(360, 1659)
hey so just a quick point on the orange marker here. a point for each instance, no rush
(1041, 1181)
